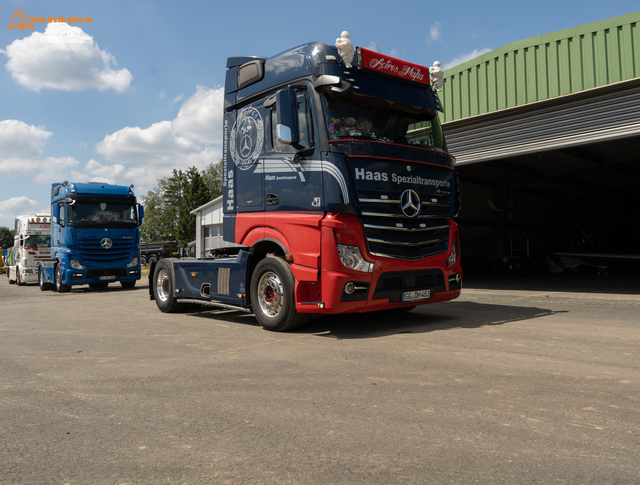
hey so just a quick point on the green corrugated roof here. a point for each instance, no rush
(543, 67)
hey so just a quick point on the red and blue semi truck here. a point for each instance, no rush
(337, 186)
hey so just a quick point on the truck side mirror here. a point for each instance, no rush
(140, 214)
(287, 116)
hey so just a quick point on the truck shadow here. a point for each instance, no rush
(431, 318)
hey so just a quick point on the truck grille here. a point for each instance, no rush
(120, 250)
(390, 233)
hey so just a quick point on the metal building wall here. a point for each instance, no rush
(544, 67)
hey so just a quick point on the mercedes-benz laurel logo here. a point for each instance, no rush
(106, 243)
(410, 203)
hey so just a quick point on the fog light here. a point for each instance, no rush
(349, 288)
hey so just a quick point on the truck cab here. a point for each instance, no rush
(95, 236)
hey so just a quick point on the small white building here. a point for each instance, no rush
(209, 228)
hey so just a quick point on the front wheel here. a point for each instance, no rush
(18, 282)
(164, 284)
(273, 296)
(44, 286)
(60, 288)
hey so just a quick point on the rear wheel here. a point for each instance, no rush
(153, 259)
(143, 260)
(60, 288)
(272, 296)
(128, 284)
(164, 287)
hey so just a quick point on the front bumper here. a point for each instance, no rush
(343, 290)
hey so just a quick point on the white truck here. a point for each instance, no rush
(31, 246)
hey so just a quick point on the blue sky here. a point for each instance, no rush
(142, 93)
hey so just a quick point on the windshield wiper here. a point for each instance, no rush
(85, 222)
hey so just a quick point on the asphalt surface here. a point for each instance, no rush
(518, 381)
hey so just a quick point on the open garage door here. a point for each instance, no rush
(551, 180)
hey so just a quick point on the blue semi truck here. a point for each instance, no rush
(95, 237)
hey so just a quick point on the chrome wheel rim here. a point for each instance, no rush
(270, 294)
(162, 285)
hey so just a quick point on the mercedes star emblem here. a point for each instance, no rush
(410, 203)
(106, 243)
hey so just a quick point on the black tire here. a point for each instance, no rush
(60, 288)
(153, 259)
(9, 276)
(272, 296)
(143, 260)
(44, 286)
(98, 286)
(128, 284)
(18, 282)
(163, 282)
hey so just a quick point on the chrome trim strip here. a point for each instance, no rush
(407, 258)
(431, 242)
(408, 229)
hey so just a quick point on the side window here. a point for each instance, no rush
(61, 214)
(304, 127)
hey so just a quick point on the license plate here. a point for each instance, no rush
(112, 277)
(416, 295)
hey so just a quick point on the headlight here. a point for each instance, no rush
(352, 258)
(453, 258)
(75, 264)
(134, 262)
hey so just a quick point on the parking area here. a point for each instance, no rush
(519, 382)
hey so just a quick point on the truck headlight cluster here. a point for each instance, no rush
(352, 258)
(453, 258)
(75, 264)
(134, 262)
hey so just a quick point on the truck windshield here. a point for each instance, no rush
(37, 241)
(109, 214)
(358, 115)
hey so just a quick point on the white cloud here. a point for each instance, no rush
(465, 57)
(10, 208)
(200, 116)
(178, 98)
(435, 32)
(191, 139)
(37, 63)
(157, 144)
(19, 140)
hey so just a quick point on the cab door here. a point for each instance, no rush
(289, 184)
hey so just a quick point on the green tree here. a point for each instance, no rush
(161, 210)
(6, 237)
(194, 194)
(167, 212)
(212, 176)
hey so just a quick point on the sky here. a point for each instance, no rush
(138, 90)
